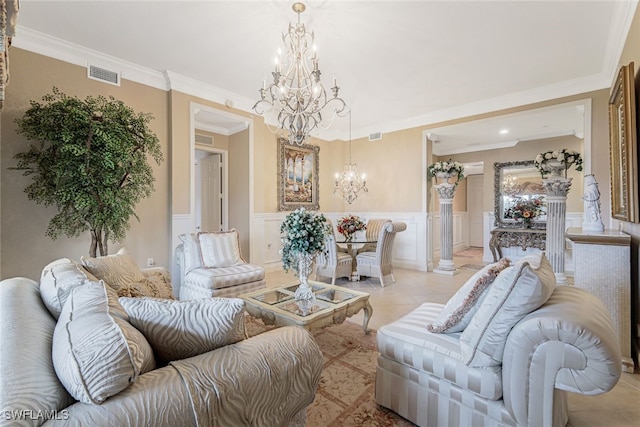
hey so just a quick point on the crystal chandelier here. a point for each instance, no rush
(296, 99)
(348, 183)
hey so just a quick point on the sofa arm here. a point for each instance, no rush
(567, 344)
(268, 379)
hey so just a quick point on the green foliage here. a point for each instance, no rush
(89, 159)
(303, 232)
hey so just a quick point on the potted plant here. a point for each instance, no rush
(302, 239)
(446, 170)
(90, 161)
(556, 161)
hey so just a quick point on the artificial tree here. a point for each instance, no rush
(90, 161)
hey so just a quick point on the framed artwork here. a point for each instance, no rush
(623, 147)
(298, 169)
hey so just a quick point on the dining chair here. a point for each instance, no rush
(378, 263)
(331, 262)
(373, 230)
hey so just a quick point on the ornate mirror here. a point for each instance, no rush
(516, 184)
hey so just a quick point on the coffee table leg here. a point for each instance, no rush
(368, 311)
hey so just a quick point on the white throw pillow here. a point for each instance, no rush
(118, 270)
(191, 252)
(96, 352)
(516, 292)
(220, 249)
(180, 329)
(57, 280)
(464, 304)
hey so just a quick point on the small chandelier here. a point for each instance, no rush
(297, 98)
(510, 185)
(348, 183)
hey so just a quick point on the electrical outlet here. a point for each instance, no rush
(151, 262)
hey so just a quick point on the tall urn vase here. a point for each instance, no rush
(304, 292)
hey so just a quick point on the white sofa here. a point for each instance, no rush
(509, 362)
(210, 265)
(70, 355)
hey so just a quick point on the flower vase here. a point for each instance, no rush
(304, 292)
(445, 176)
(556, 167)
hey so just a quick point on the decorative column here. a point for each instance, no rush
(446, 265)
(556, 189)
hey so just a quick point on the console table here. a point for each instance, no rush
(522, 237)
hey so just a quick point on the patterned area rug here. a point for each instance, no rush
(474, 267)
(470, 252)
(345, 396)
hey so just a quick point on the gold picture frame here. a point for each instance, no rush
(298, 169)
(623, 147)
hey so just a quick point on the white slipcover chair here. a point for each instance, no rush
(333, 263)
(378, 263)
(373, 231)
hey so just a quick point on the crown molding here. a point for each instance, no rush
(623, 14)
(209, 92)
(63, 50)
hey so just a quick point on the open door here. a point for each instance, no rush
(209, 191)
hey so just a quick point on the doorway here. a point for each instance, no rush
(475, 202)
(210, 212)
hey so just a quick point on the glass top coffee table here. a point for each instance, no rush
(333, 304)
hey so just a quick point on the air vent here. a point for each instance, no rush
(375, 136)
(104, 75)
(204, 140)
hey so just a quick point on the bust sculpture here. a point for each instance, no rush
(592, 216)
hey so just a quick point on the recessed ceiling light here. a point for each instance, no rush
(504, 131)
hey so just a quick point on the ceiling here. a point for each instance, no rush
(399, 64)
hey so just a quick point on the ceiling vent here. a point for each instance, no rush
(377, 136)
(103, 75)
(204, 140)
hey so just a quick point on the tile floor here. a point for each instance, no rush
(618, 408)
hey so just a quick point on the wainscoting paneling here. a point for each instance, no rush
(409, 250)
(460, 233)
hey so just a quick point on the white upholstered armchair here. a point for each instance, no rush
(378, 263)
(333, 263)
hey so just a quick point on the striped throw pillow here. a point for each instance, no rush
(96, 352)
(180, 329)
(220, 249)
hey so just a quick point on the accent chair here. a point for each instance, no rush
(378, 263)
(333, 263)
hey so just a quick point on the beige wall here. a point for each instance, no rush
(24, 247)
(394, 172)
(239, 215)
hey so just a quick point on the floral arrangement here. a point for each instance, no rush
(525, 210)
(303, 234)
(349, 224)
(449, 166)
(567, 158)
